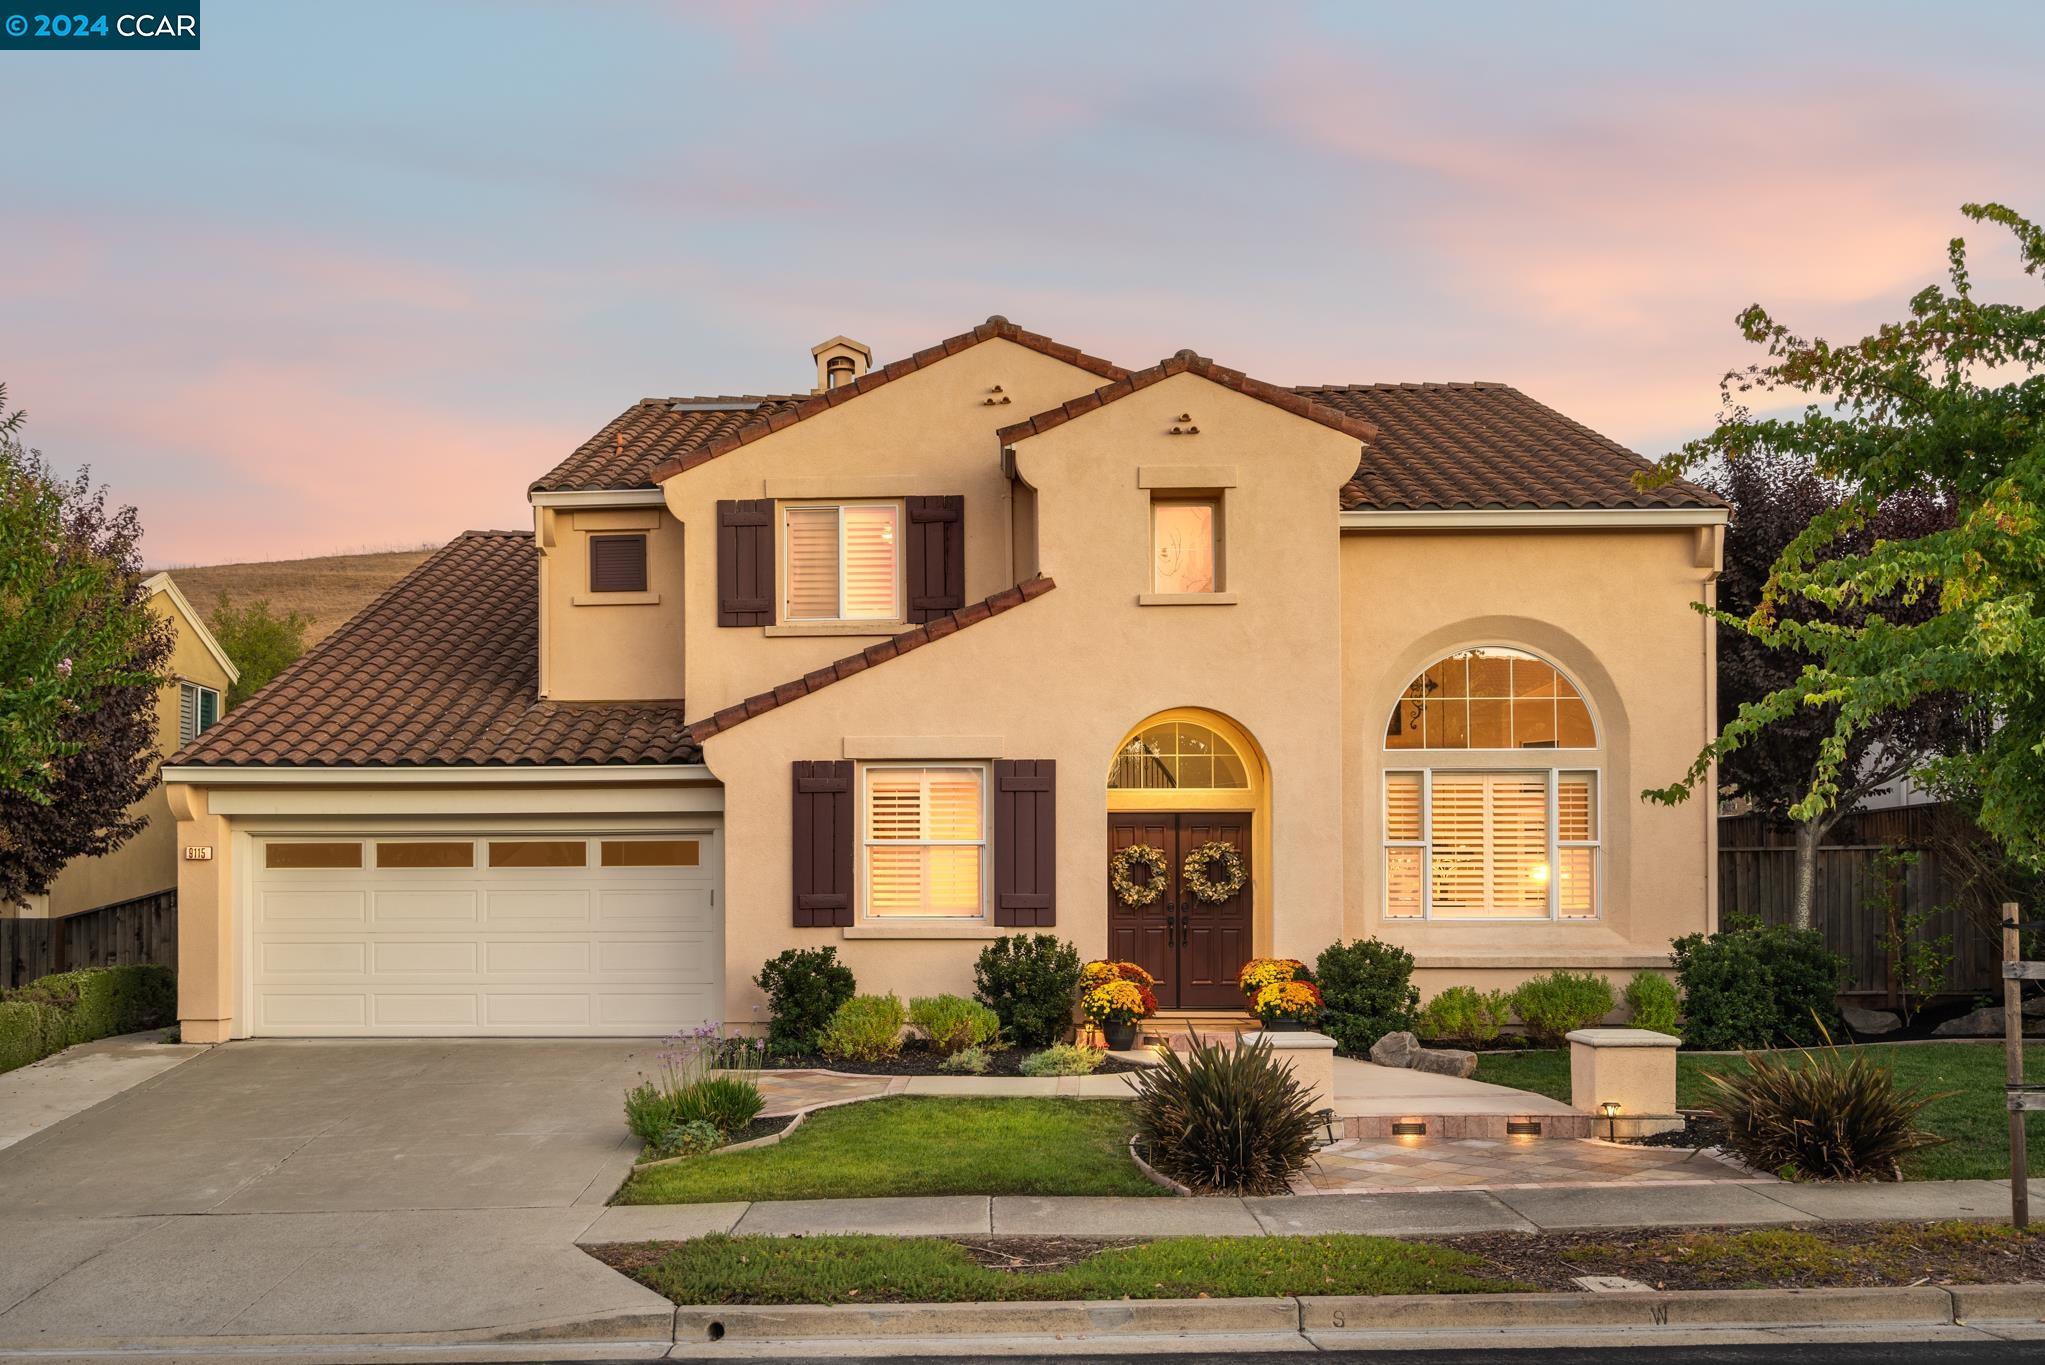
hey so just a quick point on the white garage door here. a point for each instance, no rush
(504, 934)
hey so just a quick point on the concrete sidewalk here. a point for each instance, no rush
(1553, 1209)
(47, 1092)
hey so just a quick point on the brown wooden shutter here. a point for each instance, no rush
(617, 563)
(1026, 842)
(936, 571)
(823, 843)
(745, 563)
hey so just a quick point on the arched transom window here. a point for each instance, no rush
(1178, 755)
(1490, 698)
(1512, 836)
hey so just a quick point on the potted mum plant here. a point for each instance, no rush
(1115, 997)
(1281, 992)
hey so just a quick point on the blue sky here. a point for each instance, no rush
(353, 275)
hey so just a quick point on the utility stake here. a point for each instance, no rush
(2013, 1048)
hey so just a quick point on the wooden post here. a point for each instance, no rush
(2013, 1048)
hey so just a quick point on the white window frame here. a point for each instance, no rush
(862, 812)
(841, 506)
(195, 691)
(1556, 843)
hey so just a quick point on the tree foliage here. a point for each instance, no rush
(261, 643)
(81, 658)
(1946, 404)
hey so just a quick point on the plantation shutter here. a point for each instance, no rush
(812, 581)
(1026, 842)
(745, 562)
(937, 556)
(870, 535)
(1490, 845)
(823, 836)
(1405, 827)
(617, 563)
(188, 713)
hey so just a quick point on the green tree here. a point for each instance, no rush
(1948, 402)
(261, 643)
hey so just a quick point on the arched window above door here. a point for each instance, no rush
(1178, 755)
(1491, 697)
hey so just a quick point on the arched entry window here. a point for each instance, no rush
(1178, 755)
(1513, 835)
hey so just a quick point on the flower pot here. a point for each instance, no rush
(1285, 1025)
(1121, 1037)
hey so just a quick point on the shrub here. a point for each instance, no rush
(728, 1104)
(1822, 1118)
(1064, 1059)
(1227, 1120)
(103, 1002)
(1755, 985)
(1466, 1015)
(1366, 992)
(29, 1031)
(692, 1137)
(1028, 981)
(1652, 998)
(1550, 1006)
(953, 1023)
(866, 1028)
(969, 1061)
(805, 987)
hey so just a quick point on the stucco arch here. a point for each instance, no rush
(1550, 642)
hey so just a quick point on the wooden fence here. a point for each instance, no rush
(1855, 887)
(140, 930)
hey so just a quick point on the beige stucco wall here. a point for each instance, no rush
(930, 432)
(1067, 675)
(1612, 609)
(147, 863)
(609, 646)
(206, 918)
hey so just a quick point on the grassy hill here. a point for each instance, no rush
(329, 589)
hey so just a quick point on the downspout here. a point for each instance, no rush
(1711, 558)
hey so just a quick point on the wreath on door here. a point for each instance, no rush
(1214, 872)
(1121, 874)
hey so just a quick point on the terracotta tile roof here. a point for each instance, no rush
(652, 431)
(442, 669)
(996, 326)
(1468, 446)
(1186, 362)
(817, 680)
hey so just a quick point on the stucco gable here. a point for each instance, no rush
(164, 589)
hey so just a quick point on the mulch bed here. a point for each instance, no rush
(1699, 1130)
(916, 1060)
(762, 1127)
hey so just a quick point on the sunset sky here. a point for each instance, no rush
(355, 274)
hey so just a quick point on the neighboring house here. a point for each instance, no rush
(187, 705)
(901, 665)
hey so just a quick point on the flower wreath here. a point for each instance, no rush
(1127, 889)
(1203, 881)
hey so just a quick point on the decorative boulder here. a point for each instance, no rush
(1395, 1049)
(1983, 1023)
(1869, 1023)
(1445, 1061)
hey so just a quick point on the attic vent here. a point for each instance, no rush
(840, 361)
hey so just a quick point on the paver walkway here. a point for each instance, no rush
(1419, 1164)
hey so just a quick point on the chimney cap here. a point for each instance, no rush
(846, 343)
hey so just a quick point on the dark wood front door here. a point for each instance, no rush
(1194, 949)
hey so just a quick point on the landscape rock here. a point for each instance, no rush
(1985, 1023)
(1395, 1049)
(1868, 1023)
(1445, 1061)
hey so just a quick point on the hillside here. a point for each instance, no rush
(329, 589)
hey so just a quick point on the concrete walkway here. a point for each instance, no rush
(1442, 1213)
(35, 1096)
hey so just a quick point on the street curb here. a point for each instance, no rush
(1062, 1318)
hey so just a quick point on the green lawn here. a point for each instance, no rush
(1972, 1119)
(783, 1270)
(919, 1146)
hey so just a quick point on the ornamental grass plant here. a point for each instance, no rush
(1821, 1115)
(1225, 1120)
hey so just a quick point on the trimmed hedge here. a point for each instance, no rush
(51, 1013)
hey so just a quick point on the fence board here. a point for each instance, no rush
(130, 932)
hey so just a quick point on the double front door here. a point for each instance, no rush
(1193, 947)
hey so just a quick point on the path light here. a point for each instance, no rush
(1610, 1109)
(1327, 1118)
(1523, 1125)
(1409, 1127)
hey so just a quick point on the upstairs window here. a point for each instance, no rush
(198, 708)
(1184, 541)
(617, 563)
(842, 562)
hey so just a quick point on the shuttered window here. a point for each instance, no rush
(198, 708)
(1509, 845)
(842, 562)
(924, 832)
(617, 563)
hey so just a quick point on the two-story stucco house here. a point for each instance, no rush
(909, 661)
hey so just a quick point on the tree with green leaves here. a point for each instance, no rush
(81, 659)
(261, 643)
(1949, 403)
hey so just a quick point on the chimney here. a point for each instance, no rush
(840, 361)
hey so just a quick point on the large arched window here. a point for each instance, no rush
(1510, 837)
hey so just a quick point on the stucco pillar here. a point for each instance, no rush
(205, 919)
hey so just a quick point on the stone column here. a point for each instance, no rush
(1631, 1069)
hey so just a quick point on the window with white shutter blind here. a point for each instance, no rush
(842, 562)
(925, 840)
(1462, 844)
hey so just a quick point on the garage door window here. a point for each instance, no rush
(650, 853)
(312, 855)
(426, 854)
(539, 853)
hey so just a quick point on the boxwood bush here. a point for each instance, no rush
(52, 1012)
(1757, 985)
(805, 987)
(866, 1028)
(1550, 1006)
(1366, 992)
(1029, 980)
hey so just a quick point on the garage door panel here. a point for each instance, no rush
(611, 948)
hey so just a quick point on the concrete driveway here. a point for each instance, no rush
(385, 1191)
